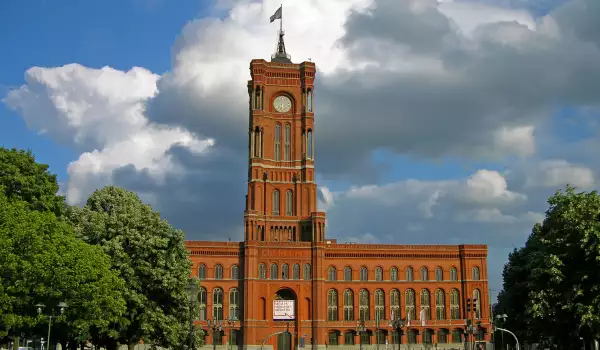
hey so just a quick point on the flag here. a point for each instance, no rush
(422, 316)
(277, 14)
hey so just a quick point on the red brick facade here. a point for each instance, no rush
(286, 255)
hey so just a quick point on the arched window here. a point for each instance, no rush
(296, 272)
(202, 298)
(442, 336)
(331, 274)
(395, 304)
(453, 274)
(287, 136)
(309, 100)
(394, 274)
(378, 274)
(348, 305)
(274, 273)
(454, 305)
(427, 336)
(364, 274)
(307, 274)
(218, 303)
(439, 274)
(477, 303)
(379, 305)
(234, 301)
(289, 203)
(309, 144)
(426, 303)
(218, 272)
(409, 274)
(202, 272)
(476, 273)
(332, 305)
(277, 141)
(276, 202)
(262, 271)
(235, 272)
(363, 304)
(285, 272)
(257, 98)
(440, 305)
(410, 303)
(347, 273)
(424, 274)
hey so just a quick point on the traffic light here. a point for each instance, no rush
(474, 305)
(469, 305)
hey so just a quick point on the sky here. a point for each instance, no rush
(437, 121)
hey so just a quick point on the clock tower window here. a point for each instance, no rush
(258, 98)
(309, 100)
(309, 144)
(276, 202)
(289, 203)
(286, 141)
(278, 142)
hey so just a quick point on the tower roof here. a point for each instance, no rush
(280, 54)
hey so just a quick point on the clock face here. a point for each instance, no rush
(282, 104)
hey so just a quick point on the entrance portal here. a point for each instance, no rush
(284, 341)
(287, 316)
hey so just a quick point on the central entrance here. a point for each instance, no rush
(285, 310)
(284, 341)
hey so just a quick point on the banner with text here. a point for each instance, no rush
(283, 310)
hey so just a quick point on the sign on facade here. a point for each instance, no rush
(283, 310)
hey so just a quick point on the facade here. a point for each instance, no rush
(286, 276)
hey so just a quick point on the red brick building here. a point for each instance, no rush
(286, 275)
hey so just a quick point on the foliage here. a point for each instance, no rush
(551, 289)
(150, 256)
(22, 178)
(42, 261)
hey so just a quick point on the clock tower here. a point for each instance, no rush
(281, 203)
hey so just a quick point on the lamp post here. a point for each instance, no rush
(61, 309)
(215, 326)
(396, 325)
(192, 291)
(230, 324)
(503, 318)
(360, 328)
(469, 330)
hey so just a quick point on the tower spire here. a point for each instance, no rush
(280, 54)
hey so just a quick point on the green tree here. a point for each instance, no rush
(24, 179)
(152, 259)
(42, 261)
(552, 286)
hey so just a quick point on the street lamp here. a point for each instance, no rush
(360, 328)
(503, 318)
(469, 330)
(230, 324)
(396, 325)
(192, 293)
(215, 326)
(61, 309)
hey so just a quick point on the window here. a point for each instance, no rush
(476, 276)
(219, 272)
(235, 272)
(442, 336)
(395, 304)
(480, 334)
(364, 274)
(289, 203)
(439, 274)
(285, 272)
(296, 272)
(262, 271)
(348, 305)
(235, 337)
(412, 336)
(394, 274)
(218, 338)
(202, 298)
(454, 305)
(396, 337)
(218, 303)
(363, 304)
(333, 338)
(427, 336)
(257, 98)
(477, 303)
(309, 100)
(365, 338)
(332, 305)
(331, 274)
(202, 272)
(276, 202)
(278, 142)
(440, 302)
(426, 303)
(409, 274)
(424, 274)
(234, 301)
(287, 136)
(410, 303)
(307, 273)
(457, 336)
(379, 305)
(274, 274)
(309, 144)
(378, 274)
(347, 273)
(380, 336)
(453, 274)
(349, 338)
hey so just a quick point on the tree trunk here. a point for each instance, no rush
(16, 341)
(131, 346)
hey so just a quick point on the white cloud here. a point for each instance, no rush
(557, 173)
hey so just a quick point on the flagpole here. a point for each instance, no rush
(281, 20)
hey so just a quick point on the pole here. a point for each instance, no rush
(511, 333)
(49, 326)
(281, 20)
(191, 328)
(377, 330)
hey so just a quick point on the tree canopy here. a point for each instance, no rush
(551, 290)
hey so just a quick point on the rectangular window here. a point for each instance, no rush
(396, 337)
(365, 338)
(218, 338)
(349, 338)
(333, 338)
